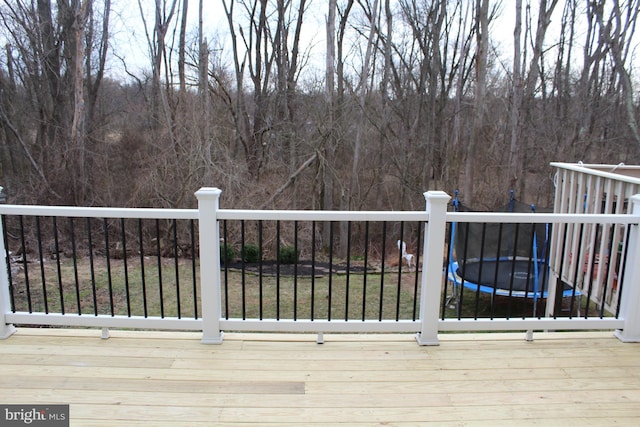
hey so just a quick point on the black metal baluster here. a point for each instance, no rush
(176, 265)
(24, 264)
(277, 270)
(384, 245)
(330, 293)
(480, 268)
(513, 269)
(193, 267)
(364, 276)
(58, 270)
(416, 281)
(143, 280)
(531, 276)
(463, 268)
(244, 273)
(105, 228)
(75, 263)
(313, 270)
(260, 275)
(126, 270)
(92, 268)
(497, 269)
(159, 260)
(448, 260)
(42, 273)
(348, 275)
(295, 270)
(399, 284)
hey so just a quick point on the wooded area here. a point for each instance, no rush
(414, 95)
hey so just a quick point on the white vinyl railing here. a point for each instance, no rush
(587, 255)
(212, 323)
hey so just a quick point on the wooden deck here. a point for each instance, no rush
(170, 379)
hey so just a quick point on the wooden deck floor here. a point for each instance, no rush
(170, 379)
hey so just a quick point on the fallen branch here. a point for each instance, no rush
(27, 153)
(291, 180)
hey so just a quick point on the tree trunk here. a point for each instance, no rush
(352, 191)
(477, 136)
(516, 99)
(329, 142)
(203, 88)
(182, 50)
(78, 131)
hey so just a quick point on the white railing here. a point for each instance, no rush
(587, 255)
(101, 321)
(426, 326)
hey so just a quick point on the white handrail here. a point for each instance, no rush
(98, 212)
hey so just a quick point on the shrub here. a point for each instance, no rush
(227, 253)
(288, 255)
(251, 253)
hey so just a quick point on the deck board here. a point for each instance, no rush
(170, 378)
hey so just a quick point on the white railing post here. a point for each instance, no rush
(208, 204)
(630, 298)
(432, 266)
(6, 330)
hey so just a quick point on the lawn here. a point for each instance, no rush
(171, 288)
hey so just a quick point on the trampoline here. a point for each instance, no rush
(506, 260)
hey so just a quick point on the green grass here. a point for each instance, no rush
(106, 291)
(323, 297)
(340, 296)
(337, 297)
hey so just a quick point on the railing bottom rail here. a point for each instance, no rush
(352, 326)
(103, 321)
(536, 324)
(335, 326)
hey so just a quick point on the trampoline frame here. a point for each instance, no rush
(538, 268)
(457, 280)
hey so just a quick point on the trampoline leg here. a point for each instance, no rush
(529, 336)
(454, 297)
(452, 300)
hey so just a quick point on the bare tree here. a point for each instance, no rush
(78, 129)
(182, 49)
(329, 142)
(95, 72)
(336, 107)
(287, 61)
(478, 137)
(156, 41)
(460, 71)
(516, 97)
(251, 55)
(54, 46)
(352, 189)
(616, 32)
